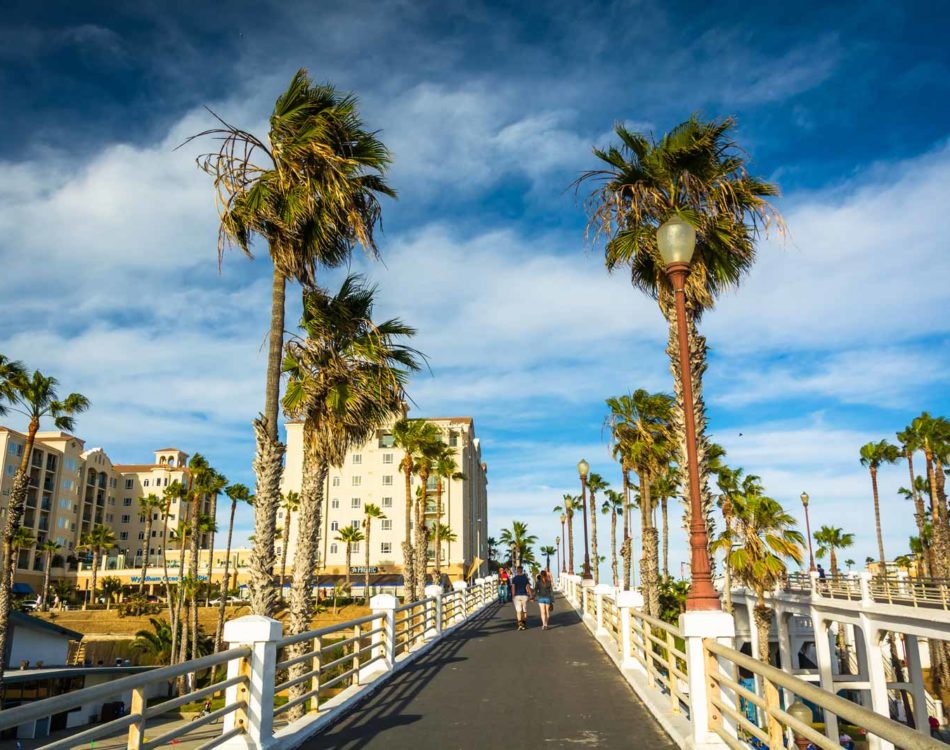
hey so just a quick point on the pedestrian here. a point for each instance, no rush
(520, 591)
(821, 572)
(544, 593)
(503, 585)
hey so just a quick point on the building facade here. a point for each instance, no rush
(371, 474)
(72, 489)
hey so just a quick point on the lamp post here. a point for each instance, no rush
(563, 564)
(677, 240)
(583, 468)
(557, 542)
(802, 713)
(811, 556)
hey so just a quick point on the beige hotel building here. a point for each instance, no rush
(370, 474)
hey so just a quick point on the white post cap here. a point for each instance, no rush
(383, 601)
(630, 599)
(252, 629)
(603, 588)
(479, 581)
(433, 589)
(459, 585)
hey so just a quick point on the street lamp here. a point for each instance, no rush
(583, 468)
(564, 556)
(802, 713)
(557, 541)
(811, 556)
(677, 241)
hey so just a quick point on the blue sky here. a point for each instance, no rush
(839, 336)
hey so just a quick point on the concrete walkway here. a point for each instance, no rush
(488, 686)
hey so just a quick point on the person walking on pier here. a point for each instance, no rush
(545, 596)
(520, 591)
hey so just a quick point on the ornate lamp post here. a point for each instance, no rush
(811, 556)
(557, 542)
(583, 468)
(563, 565)
(677, 241)
(802, 713)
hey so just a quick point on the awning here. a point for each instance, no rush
(22, 589)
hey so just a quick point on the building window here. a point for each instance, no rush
(126, 519)
(453, 439)
(123, 535)
(334, 503)
(386, 548)
(387, 502)
(332, 549)
(355, 547)
(108, 518)
(387, 524)
(357, 481)
(154, 534)
(68, 485)
(154, 516)
(128, 484)
(387, 480)
(142, 518)
(355, 502)
(357, 458)
(387, 458)
(336, 481)
(386, 440)
(126, 501)
(355, 524)
(145, 483)
(334, 525)
(141, 535)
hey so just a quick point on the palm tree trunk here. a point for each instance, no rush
(46, 572)
(172, 613)
(437, 573)
(95, 573)
(268, 466)
(369, 521)
(421, 544)
(219, 630)
(214, 520)
(762, 615)
(349, 560)
(283, 557)
(834, 564)
(570, 543)
(305, 561)
(595, 560)
(727, 580)
(625, 547)
(666, 538)
(148, 534)
(877, 521)
(408, 559)
(648, 562)
(275, 354)
(613, 548)
(193, 568)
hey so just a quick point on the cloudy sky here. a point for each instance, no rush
(839, 336)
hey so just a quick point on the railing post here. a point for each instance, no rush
(695, 626)
(864, 582)
(627, 600)
(461, 587)
(813, 579)
(137, 730)
(479, 593)
(358, 635)
(599, 591)
(261, 634)
(385, 605)
(587, 595)
(315, 665)
(433, 611)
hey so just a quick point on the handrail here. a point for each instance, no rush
(885, 728)
(290, 640)
(59, 703)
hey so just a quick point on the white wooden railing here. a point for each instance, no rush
(314, 676)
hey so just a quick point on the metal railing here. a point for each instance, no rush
(658, 647)
(412, 622)
(140, 713)
(882, 589)
(773, 724)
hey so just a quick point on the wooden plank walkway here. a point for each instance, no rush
(488, 686)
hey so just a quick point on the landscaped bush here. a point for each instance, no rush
(137, 605)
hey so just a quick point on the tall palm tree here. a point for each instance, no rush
(429, 452)
(111, 587)
(518, 540)
(22, 539)
(698, 172)
(666, 486)
(35, 397)
(873, 455)
(548, 552)
(568, 509)
(640, 423)
(831, 539)
(411, 435)
(238, 493)
(370, 511)
(910, 443)
(766, 537)
(349, 536)
(445, 469)
(97, 540)
(595, 483)
(49, 548)
(291, 504)
(613, 506)
(311, 192)
(148, 505)
(347, 378)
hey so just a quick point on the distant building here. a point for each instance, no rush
(370, 474)
(32, 640)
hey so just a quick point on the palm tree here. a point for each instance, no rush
(291, 504)
(666, 486)
(349, 536)
(568, 509)
(157, 643)
(429, 453)
(35, 397)
(445, 469)
(111, 585)
(492, 547)
(872, 456)
(613, 506)
(910, 443)
(238, 493)
(697, 172)
(411, 435)
(595, 483)
(639, 423)
(766, 537)
(518, 540)
(849, 563)
(148, 505)
(548, 551)
(830, 539)
(311, 191)
(22, 539)
(97, 540)
(49, 548)
(370, 511)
